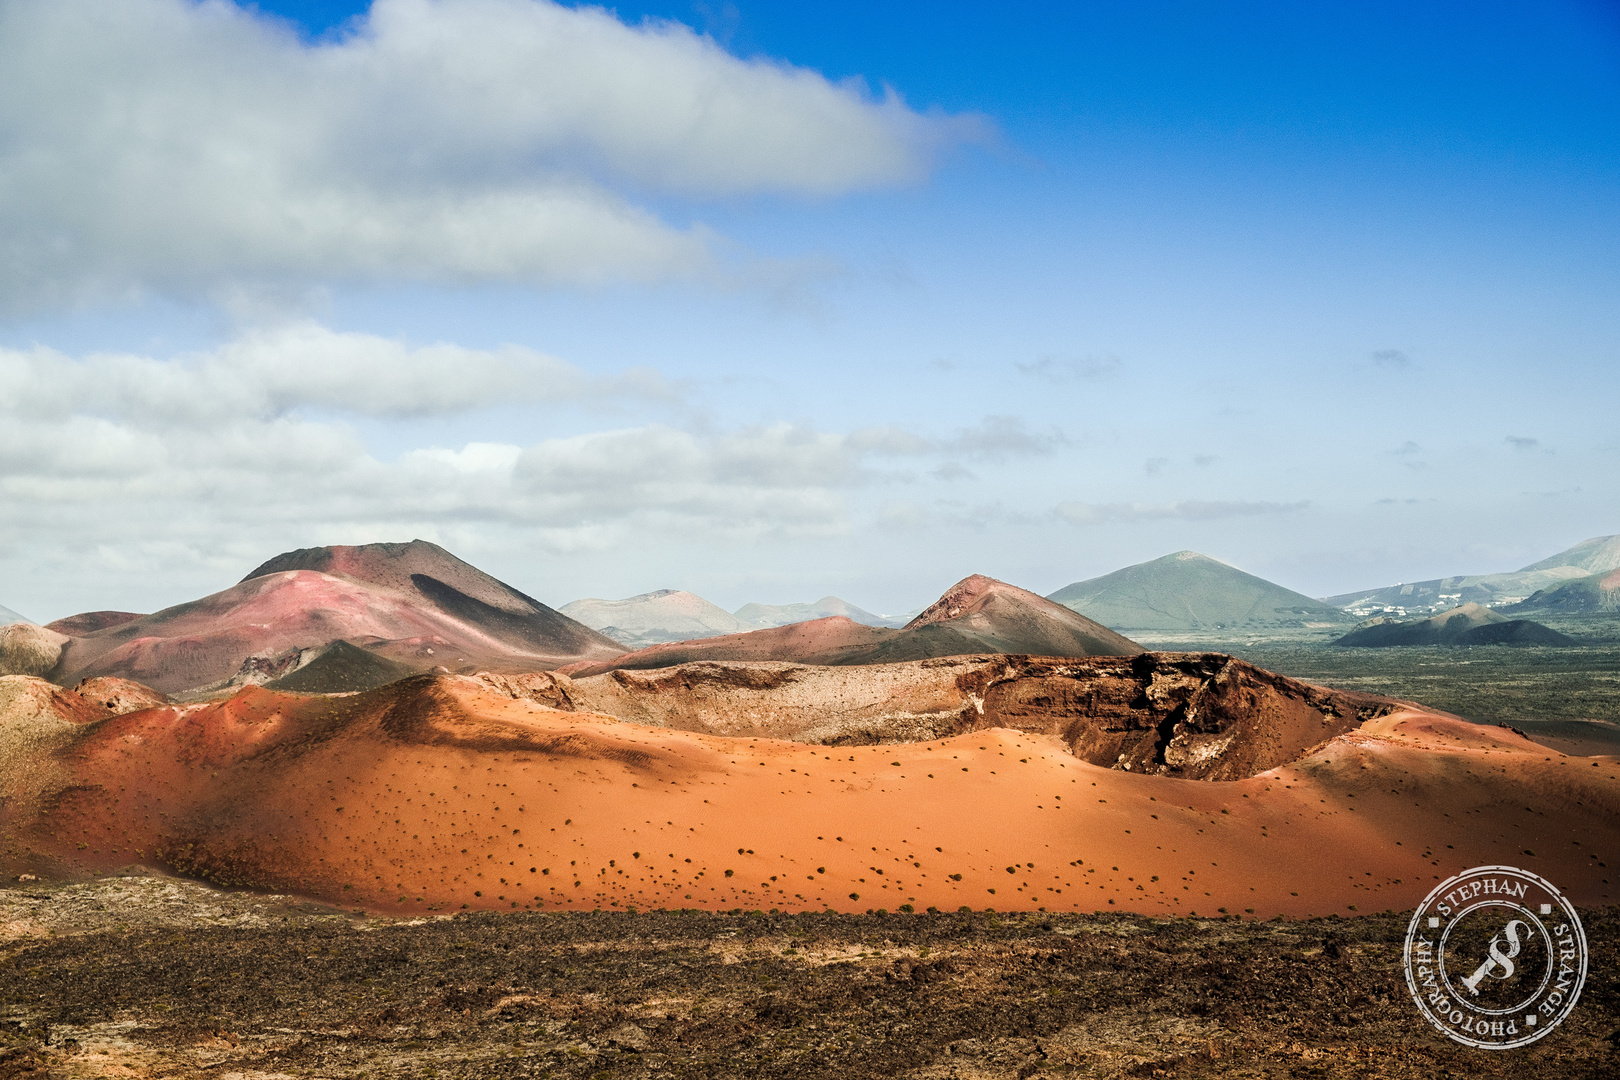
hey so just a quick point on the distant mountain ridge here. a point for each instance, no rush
(1190, 591)
(765, 616)
(1594, 593)
(1595, 556)
(1598, 555)
(654, 617)
(9, 616)
(977, 615)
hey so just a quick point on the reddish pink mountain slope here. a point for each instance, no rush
(413, 602)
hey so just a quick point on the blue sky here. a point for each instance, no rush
(1327, 291)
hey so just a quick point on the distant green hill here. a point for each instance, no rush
(1189, 591)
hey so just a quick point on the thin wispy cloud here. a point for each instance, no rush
(1081, 369)
(994, 438)
(1080, 513)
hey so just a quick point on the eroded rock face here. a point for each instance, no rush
(546, 688)
(1195, 715)
(118, 696)
(1201, 716)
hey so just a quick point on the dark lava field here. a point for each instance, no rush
(151, 977)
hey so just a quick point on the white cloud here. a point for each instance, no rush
(269, 373)
(188, 146)
(257, 440)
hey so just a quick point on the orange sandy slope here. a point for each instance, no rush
(462, 797)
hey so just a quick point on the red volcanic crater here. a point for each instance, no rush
(440, 792)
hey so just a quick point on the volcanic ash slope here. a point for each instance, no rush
(440, 792)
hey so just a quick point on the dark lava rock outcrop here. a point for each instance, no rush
(1201, 716)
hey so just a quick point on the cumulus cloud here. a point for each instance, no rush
(259, 438)
(1079, 513)
(177, 145)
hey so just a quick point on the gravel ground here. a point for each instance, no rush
(145, 976)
